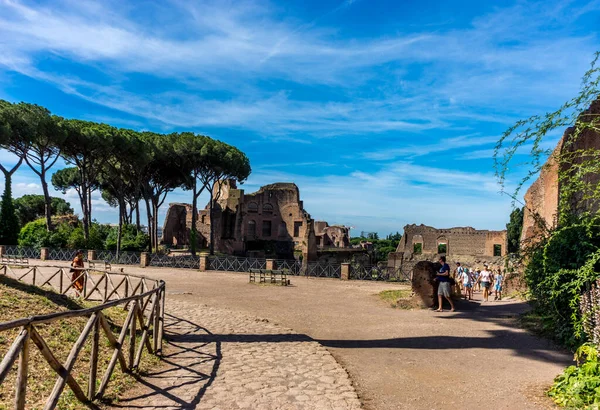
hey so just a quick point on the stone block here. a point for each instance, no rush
(91, 255)
(204, 263)
(144, 259)
(44, 253)
(424, 286)
(2, 250)
(345, 271)
(271, 264)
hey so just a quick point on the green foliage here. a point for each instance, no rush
(34, 234)
(31, 207)
(558, 270)
(579, 386)
(381, 247)
(131, 240)
(9, 225)
(71, 236)
(514, 228)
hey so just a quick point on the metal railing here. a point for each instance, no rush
(323, 270)
(175, 261)
(22, 252)
(380, 273)
(144, 298)
(293, 266)
(233, 264)
(62, 254)
(125, 257)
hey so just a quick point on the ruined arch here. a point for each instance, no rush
(417, 244)
(251, 228)
(442, 246)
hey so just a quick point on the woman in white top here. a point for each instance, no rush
(486, 281)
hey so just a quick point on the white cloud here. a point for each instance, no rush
(489, 66)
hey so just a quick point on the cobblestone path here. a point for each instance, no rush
(219, 359)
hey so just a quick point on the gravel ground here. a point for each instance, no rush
(234, 361)
(397, 359)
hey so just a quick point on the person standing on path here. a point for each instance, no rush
(458, 275)
(77, 267)
(443, 277)
(467, 282)
(498, 285)
(486, 281)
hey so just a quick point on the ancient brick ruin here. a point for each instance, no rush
(542, 198)
(466, 244)
(271, 221)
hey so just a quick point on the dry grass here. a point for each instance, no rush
(396, 297)
(20, 300)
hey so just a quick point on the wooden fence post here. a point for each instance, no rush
(94, 361)
(132, 336)
(21, 388)
(162, 320)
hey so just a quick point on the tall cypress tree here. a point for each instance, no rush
(9, 225)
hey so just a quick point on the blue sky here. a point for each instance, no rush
(383, 112)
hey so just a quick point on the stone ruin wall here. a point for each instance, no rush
(235, 213)
(460, 241)
(464, 244)
(542, 198)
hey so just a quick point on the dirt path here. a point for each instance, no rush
(471, 359)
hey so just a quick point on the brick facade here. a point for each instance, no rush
(272, 221)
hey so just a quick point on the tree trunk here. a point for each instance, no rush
(194, 231)
(120, 229)
(84, 205)
(137, 216)
(155, 227)
(149, 214)
(212, 225)
(90, 190)
(47, 202)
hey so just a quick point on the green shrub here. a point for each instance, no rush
(34, 234)
(557, 272)
(76, 239)
(579, 386)
(131, 239)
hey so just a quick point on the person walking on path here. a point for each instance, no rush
(458, 275)
(498, 279)
(485, 278)
(467, 283)
(77, 267)
(443, 277)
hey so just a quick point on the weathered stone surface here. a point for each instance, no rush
(542, 198)
(423, 284)
(234, 361)
(244, 223)
(461, 241)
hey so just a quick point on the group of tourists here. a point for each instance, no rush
(467, 280)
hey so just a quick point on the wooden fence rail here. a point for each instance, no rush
(143, 297)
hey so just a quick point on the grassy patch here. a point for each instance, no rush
(539, 323)
(19, 300)
(393, 297)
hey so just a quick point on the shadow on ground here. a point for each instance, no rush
(188, 353)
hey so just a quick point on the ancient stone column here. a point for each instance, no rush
(144, 259)
(423, 285)
(2, 250)
(44, 253)
(271, 264)
(345, 271)
(204, 264)
(91, 255)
